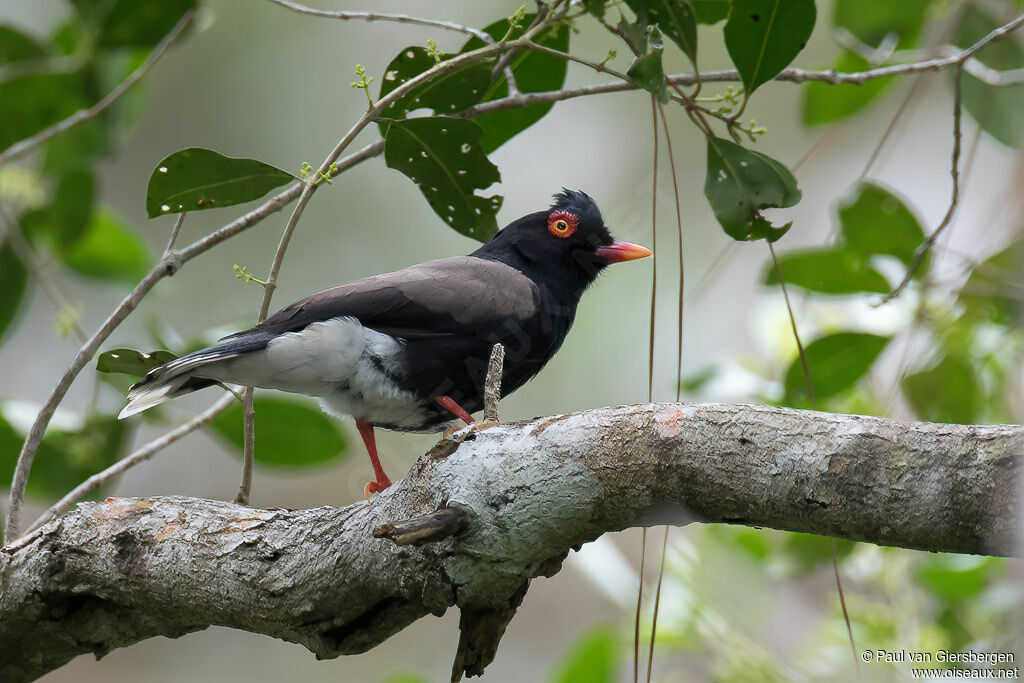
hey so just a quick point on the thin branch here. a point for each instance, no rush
(248, 446)
(657, 603)
(954, 171)
(347, 15)
(28, 144)
(139, 455)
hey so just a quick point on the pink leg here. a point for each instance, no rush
(448, 403)
(382, 481)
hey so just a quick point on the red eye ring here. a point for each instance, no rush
(562, 223)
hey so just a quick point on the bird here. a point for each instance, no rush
(408, 350)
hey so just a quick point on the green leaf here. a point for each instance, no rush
(948, 392)
(835, 362)
(828, 271)
(67, 455)
(443, 157)
(13, 283)
(108, 250)
(72, 207)
(447, 94)
(592, 658)
(289, 433)
(534, 72)
(959, 578)
(826, 103)
(675, 18)
(16, 46)
(132, 362)
(871, 21)
(806, 552)
(647, 71)
(196, 178)
(998, 110)
(140, 23)
(740, 182)
(710, 11)
(993, 290)
(876, 221)
(29, 104)
(763, 37)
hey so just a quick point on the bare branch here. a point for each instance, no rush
(346, 15)
(954, 200)
(116, 572)
(28, 144)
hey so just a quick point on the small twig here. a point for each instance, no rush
(492, 385)
(28, 144)
(657, 603)
(954, 171)
(428, 528)
(174, 232)
(248, 446)
(346, 15)
(139, 455)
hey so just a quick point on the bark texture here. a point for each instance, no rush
(116, 572)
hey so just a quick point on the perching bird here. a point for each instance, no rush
(408, 350)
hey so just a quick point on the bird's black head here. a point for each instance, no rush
(565, 247)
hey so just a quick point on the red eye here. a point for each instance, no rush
(562, 223)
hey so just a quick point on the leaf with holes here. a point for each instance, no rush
(195, 178)
(675, 18)
(447, 94)
(740, 182)
(997, 109)
(835, 362)
(828, 271)
(534, 72)
(763, 37)
(443, 157)
(289, 433)
(647, 70)
(132, 362)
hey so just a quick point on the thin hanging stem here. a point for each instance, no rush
(636, 620)
(657, 601)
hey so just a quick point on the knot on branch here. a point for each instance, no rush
(424, 529)
(171, 262)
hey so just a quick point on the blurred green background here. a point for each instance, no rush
(255, 80)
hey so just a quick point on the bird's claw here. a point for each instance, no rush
(373, 487)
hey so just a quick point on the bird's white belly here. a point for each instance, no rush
(339, 361)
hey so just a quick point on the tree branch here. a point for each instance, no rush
(113, 573)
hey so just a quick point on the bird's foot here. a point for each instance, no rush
(461, 433)
(375, 487)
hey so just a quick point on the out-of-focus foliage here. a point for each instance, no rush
(289, 432)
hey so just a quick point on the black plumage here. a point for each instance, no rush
(387, 349)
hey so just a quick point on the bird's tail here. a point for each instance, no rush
(174, 378)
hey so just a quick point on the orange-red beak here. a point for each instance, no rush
(616, 252)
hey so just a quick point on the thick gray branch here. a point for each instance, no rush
(113, 573)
